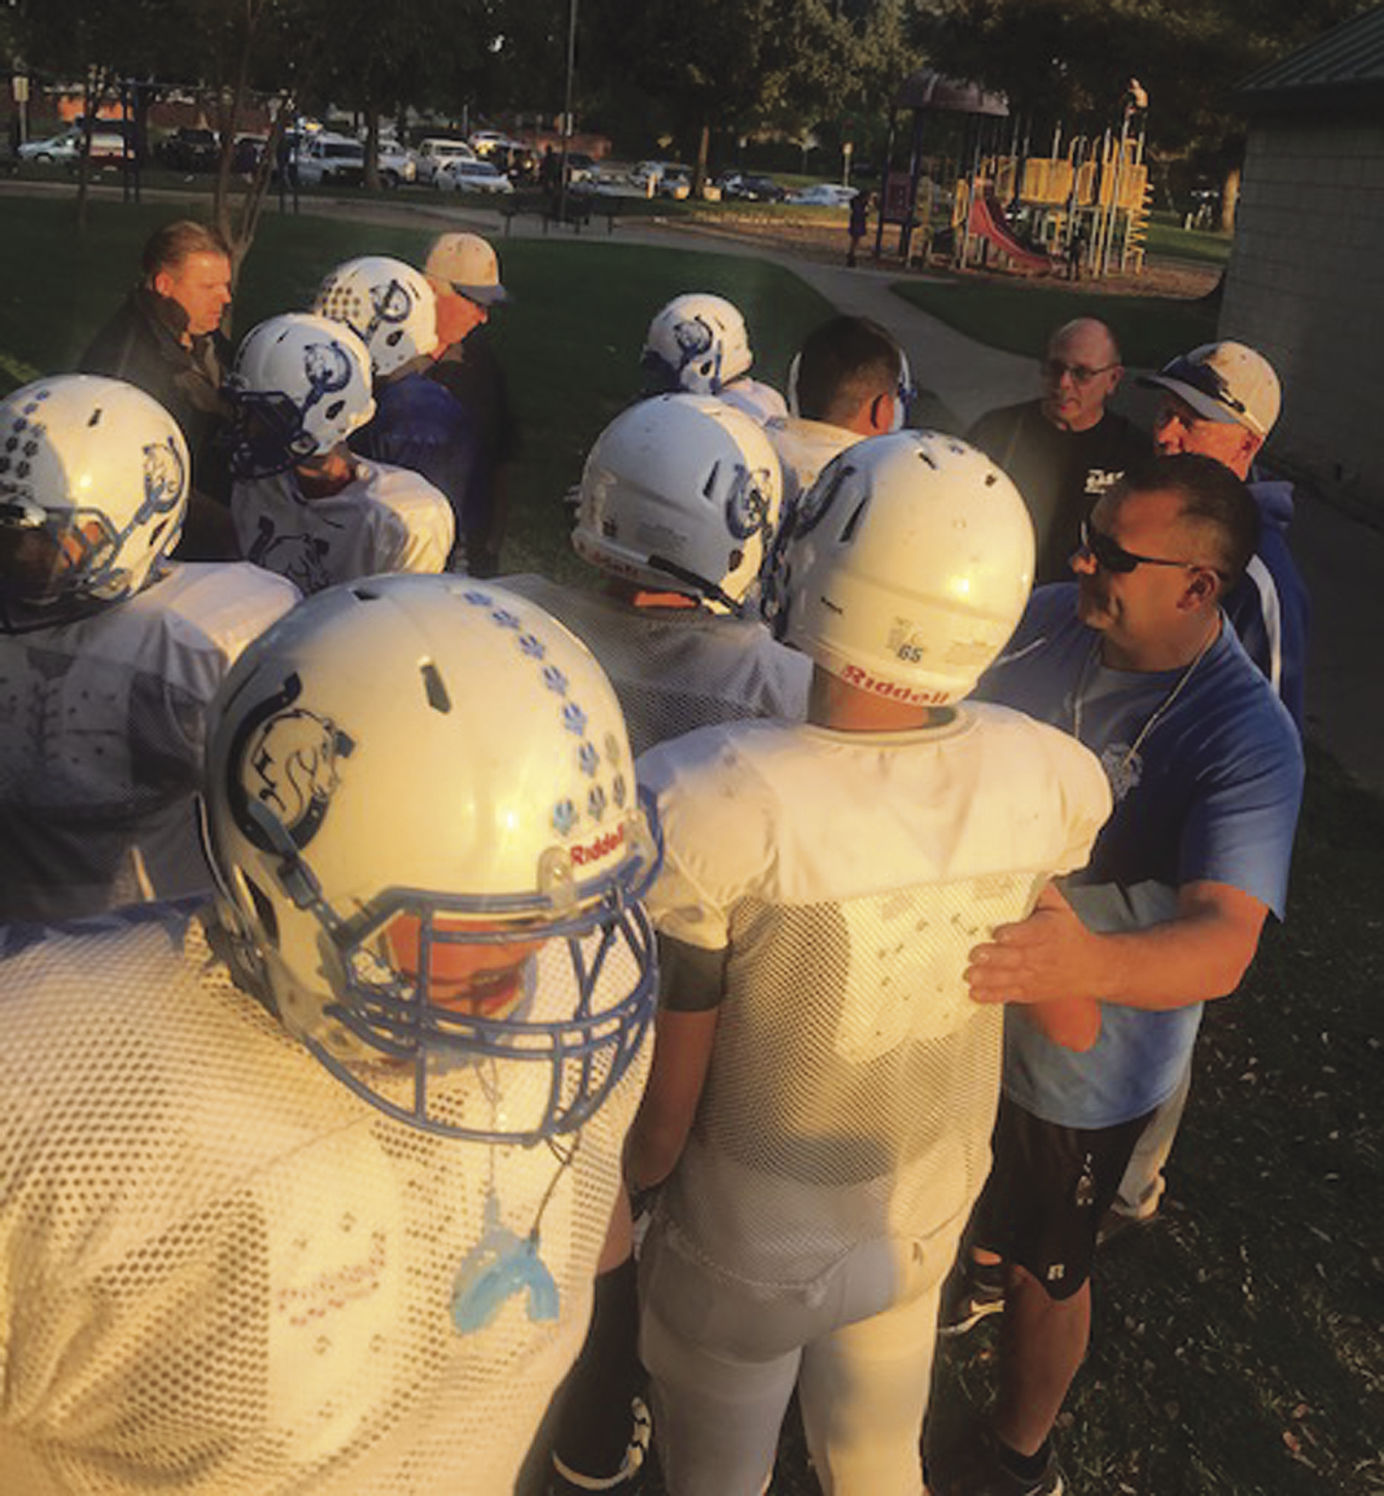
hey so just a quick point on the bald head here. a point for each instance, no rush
(1089, 334)
(1080, 373)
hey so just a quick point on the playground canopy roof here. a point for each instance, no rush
(1344, 66)
(926, 89)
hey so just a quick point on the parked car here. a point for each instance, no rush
(190, 148)
(655, 171)
(330, 158)
(437, 152)
(824, 195)
(580, 167)
(63, 149)
(757, 190)
(247, 152)
(483, 142)
(471, 176)
(397, 164)
(675, 184)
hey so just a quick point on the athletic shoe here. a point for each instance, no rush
(1116, 1223)
(966, 1301)
(980, 1472)
(628, 1479)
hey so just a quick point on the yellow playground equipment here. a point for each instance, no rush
(1087, 209)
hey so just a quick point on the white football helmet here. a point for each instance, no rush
(697, 343)
(905, 568)
(300, 385)
(387, 304)
(93, 491)
(681, 491)
(411, 774)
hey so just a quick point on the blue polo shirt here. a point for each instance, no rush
(1211, 793)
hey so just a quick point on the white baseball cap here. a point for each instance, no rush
(1224, 382)
(468, 264)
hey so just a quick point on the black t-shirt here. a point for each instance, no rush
(1060, 473)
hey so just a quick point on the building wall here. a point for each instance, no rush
(1305, 286)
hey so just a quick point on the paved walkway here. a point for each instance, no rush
(1341, 558)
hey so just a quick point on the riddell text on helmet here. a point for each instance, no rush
(594, 851)
(853, 675)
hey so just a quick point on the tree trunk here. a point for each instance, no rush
(93, 91)
(372, 145)
(699, 173)
(1230, 196)
(227, 117)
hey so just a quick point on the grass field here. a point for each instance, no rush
(1187, 244)
(1151, 329)
(1237, 1349)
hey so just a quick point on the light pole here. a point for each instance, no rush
(567, 110)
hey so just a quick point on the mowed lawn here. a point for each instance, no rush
(1020, 318)
(1237, 1345)
(570, 340)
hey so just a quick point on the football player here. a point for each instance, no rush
(699, 343)
(304, 1190)
(303, 504)
(849, 381)
(109, 653)
(823, 1088)
(679, 499)
(418, 424)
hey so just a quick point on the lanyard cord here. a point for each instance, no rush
(1078, 698)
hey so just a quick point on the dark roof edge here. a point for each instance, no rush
(1350, 47)
(1365, 96)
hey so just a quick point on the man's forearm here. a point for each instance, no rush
(1190, 959)
(1200, 953)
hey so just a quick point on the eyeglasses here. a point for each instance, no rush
(1055, 368)
(1110, 555)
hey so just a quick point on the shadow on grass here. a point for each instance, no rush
(1150, 329)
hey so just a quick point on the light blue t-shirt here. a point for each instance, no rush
(1211, 793)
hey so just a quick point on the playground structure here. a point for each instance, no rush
(1081, 211)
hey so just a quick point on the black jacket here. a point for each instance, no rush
(140, 345)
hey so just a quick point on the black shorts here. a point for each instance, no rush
(1048, 1189)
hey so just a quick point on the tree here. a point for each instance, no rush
(731, 62)
(1071, 60)
(97, 43)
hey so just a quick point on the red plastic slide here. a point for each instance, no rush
(988, 220)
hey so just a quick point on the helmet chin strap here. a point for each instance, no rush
(706, 589)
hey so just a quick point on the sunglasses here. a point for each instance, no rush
(1110, 555)
(1055, 368)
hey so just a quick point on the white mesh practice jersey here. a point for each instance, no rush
(804, 448)
(224, 1274)
(762, 401)
(386, 519)
(846, 876)
(676, 669)
(101, 733)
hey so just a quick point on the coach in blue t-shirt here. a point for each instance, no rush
(1205, 767)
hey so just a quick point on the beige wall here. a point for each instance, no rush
(1305, 286)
